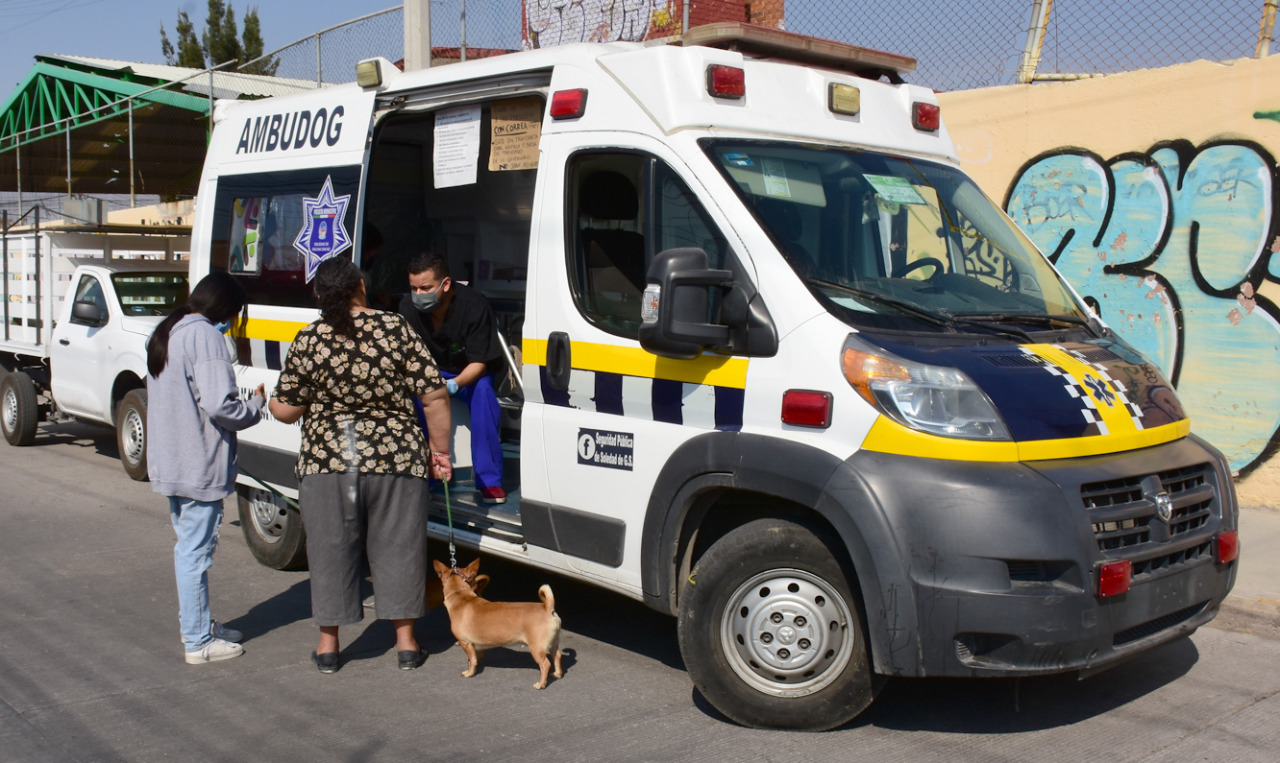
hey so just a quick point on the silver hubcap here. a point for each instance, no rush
(787, 633)
(268, 516)
(10, 410)
(133, 436)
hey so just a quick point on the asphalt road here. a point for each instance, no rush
(91, 667)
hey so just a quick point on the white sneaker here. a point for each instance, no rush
(215, 651)
(217, 630)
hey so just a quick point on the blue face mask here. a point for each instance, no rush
(223, 327)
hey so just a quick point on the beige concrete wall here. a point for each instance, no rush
(1156, 191)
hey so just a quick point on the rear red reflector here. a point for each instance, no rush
(805, 408)
(1114, 578)
(726, 81)
(926, 116)
(1228, 547)
(568, 104)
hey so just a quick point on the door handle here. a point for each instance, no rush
(558, 360)
(64, 341)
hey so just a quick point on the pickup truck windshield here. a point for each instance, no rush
(883, 239)
(150, 293)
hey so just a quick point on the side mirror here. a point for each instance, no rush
(88, 313)
(677, 308)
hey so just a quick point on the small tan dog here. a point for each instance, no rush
(479, 624)
(435, 589)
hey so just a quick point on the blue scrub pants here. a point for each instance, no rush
(486, 426)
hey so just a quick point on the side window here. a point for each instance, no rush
(89, 290)
(624, 208)
(270, 230)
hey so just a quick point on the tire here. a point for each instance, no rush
(771, 633)
(19, 409)
(131, 433)
(272, 529)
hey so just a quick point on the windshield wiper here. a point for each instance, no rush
(944, 320)
(1043, 319)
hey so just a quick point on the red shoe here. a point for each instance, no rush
(493, 495)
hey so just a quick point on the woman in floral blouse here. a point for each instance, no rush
(351, 377)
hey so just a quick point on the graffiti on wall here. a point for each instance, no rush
(1173, 244)
(558, 22)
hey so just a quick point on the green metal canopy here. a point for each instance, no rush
(127, 127)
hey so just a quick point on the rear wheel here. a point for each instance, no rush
(272, 529)
(771, 633)
(19, 409)
(131, 433)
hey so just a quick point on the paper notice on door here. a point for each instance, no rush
(457, 146)
(775, 178)
(516, 130)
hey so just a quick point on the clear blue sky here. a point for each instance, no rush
(129, 30)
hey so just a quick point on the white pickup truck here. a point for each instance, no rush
(78, 308)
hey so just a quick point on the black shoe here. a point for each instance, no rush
(327, 662)
(411, 659)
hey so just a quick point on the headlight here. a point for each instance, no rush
(933, 399)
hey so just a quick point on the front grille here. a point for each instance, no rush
(1152, 627)
(1124, 514)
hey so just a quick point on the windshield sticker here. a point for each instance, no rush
(323, 234)
(895, 190)
(610, 449)
(738, 160)
(775, 178)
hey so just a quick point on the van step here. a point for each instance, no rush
(469, 514)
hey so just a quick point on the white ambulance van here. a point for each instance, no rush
(780, 369)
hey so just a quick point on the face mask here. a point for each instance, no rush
(223, 327)
(426, 301)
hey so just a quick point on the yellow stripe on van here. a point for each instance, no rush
(888, 436)
(270, 331)
(1113, 414)
(716, 370)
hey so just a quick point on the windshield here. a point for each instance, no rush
(881, 239)
(142, 293)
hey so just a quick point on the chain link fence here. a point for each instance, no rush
(329, 56)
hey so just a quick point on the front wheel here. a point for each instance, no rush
(771, 633)
(272, 529)
(131, 433)
(19, 409)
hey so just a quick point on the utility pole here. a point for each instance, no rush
(417, 34)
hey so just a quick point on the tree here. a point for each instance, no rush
(219, 42)
(188, 53)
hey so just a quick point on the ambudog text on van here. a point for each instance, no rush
(777, 366)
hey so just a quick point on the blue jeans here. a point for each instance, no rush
(196, 524)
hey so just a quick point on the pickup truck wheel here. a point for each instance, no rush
(131, 433)
(19, 410)
(272, 529)
(771, 633)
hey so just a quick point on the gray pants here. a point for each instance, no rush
(346, 514)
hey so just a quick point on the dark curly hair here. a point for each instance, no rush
(336, 282)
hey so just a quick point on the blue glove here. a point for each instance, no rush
(451, 385)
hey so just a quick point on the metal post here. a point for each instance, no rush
(684, 23)
(1266, 33)
(464, 30)
(36, 240)
(209, 134)
(68, 158)
(4, 223)
(133, 200)
(17, 155)
(319, 79)
(1035, 40)
(417, 35)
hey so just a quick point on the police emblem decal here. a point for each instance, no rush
(323, 235)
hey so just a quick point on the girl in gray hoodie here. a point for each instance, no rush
(193, 413)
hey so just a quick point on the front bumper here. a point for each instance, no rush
(1001, 560)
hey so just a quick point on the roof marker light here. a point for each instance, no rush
(844, 99)
(1114, 578)
(926, 116)
(568, 104)
(806, 408)
(726, 81)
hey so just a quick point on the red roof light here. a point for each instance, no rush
(926, 116)
(568, 104)
(726, 81)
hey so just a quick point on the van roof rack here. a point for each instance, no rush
(768, 42)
